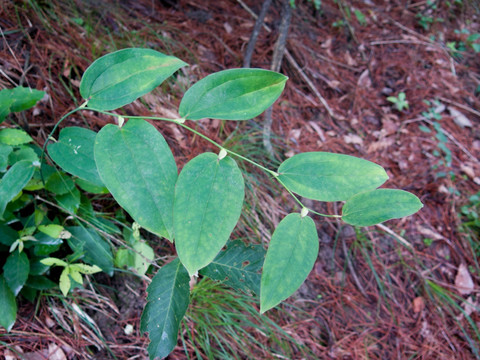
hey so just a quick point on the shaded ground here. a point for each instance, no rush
(369, 295)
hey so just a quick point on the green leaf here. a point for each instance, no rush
(7, 235)
(52, 230)
(138, 168)
(14, 137)
(121, 77)
(141, 260)
(45, 239)
(124, 258)
(13, 182)
(65, 282)
(29, 293)
(40, 282)
(238, 266)
(476, 47)
(167, 302)
(90, 187)
(6, 102)
(8, 306)
(235, 94)
(290, 258)
(23, 153)
(37, 268)
(18, 99)
(330, 177)
(59, 183)
(70, 201)
(16, 270)
(96, 250)
(73, 152)
(208, 202)
(473, 37)
(5, 151)
(53, 261)
(85, 269)
(76, 276)
(24, 98)
(374, 207)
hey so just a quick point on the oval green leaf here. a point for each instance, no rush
(374, 207)
(208, 202)
(70, 201)
(73, 152)
(235, 94)
(290, 258)
(119, 78)
(18, 99)
(14, 137)
(167, 301)
(59, 183)
(13, 182)
(138, 168)
(8, 306)
(94, 249)
(24, 98)
(16, 270)
(330, 177)
(5, 151)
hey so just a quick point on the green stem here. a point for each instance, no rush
(42, 156)
(180, 122)
(301, 204)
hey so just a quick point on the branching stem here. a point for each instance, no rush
(182, 124)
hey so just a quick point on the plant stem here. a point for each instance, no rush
(50, 136)
(180, 123)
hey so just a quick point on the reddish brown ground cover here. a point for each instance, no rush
(379, 299)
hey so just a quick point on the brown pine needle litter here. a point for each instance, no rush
(390, 292)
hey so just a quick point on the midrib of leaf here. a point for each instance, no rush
(146, 183)
(128, 77)
(230, 98)
(169, 308)
(297, 240)
(106, 254)
(233, 267)
(396, 203)
(197, 243)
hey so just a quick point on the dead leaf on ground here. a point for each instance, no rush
(353, 139)
(381, 144)
(459, 119)
(364, 79)
(468, 170)
(463, 280)
(429, 233)
(54, 352)
(318, 130)
(418, 304)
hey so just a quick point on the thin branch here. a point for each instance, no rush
(395, 235)
(255, 32)
(277, 58)
(292, 61)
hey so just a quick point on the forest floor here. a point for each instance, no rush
(408, 289)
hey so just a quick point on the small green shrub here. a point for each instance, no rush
(32, 228)
(399, 101)
(198, 209)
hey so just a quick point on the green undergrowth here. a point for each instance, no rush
(223, 324)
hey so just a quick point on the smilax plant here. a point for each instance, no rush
(198, 208)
